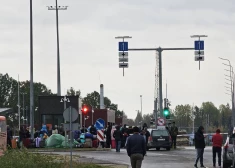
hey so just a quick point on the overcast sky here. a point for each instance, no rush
(89, 52)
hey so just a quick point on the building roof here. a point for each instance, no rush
(5, 110)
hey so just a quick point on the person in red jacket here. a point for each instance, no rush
(217, 140)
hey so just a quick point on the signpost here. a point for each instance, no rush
(70, 114)
(100, 124)
(123, 52)
(161, 121)
(199, 48)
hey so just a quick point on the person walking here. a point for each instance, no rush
(174, 133)
(136, 148)
(217, 140)
(199, 145)
(118, 138)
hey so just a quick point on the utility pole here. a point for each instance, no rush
(231, 76)
(159, 50)
(57, 8)
(31, 72)
(23, 108)
(19, 101)
(141, 105)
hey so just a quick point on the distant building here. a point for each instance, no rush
(51, 108)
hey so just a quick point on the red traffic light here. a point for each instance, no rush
(85, 109)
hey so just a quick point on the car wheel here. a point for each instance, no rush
(168, 148)
(226, 165)
(157, 149)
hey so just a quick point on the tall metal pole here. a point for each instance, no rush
(232, 89)
(31, 72)
(141, 105)
(160, 80)
(58, 52)
(23, 110)
(19, 101)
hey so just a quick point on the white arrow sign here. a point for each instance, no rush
(123, 54)
(199, 52)
(101, 125)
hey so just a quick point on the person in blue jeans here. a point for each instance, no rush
(118, 138)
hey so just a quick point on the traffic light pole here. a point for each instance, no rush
(159, 50)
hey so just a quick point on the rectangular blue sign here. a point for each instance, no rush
(199, 45)
(123, 46)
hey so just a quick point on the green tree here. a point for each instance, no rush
(225, 115)
(138, 118)
(182, 115)
(210, 110)
(9, 95)
(72, 92)
(147, 119)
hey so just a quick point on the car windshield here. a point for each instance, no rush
(159, 133)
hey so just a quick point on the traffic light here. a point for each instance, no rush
(85, 109)
(166, 113)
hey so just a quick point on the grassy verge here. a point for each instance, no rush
(24, 159)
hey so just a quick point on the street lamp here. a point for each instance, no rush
(56, 8)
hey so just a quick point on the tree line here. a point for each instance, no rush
(208, 115)
(9, 97)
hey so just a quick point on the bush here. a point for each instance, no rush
(24, 159)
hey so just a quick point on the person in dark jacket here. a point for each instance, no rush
(118, 138)
(199, 145)
(21, 136)
(136, 148)
(9, 136)
(108, 136)
(93, 130)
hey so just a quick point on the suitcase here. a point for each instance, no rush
(13, 144)
(37, 142)
(26, 142)
(42, 144)
(94, 144)
(88, 143)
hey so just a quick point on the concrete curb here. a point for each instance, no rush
(67, 149)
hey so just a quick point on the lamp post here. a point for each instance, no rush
(56, 8)
(31, 72)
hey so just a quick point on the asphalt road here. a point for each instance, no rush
(179, 158)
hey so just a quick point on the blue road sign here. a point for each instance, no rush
(100, 124)
(123, 46)
(199, 45)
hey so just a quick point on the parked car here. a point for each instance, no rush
(228, 154)
(159, 138)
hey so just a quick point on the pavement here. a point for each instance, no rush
(182, 157)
